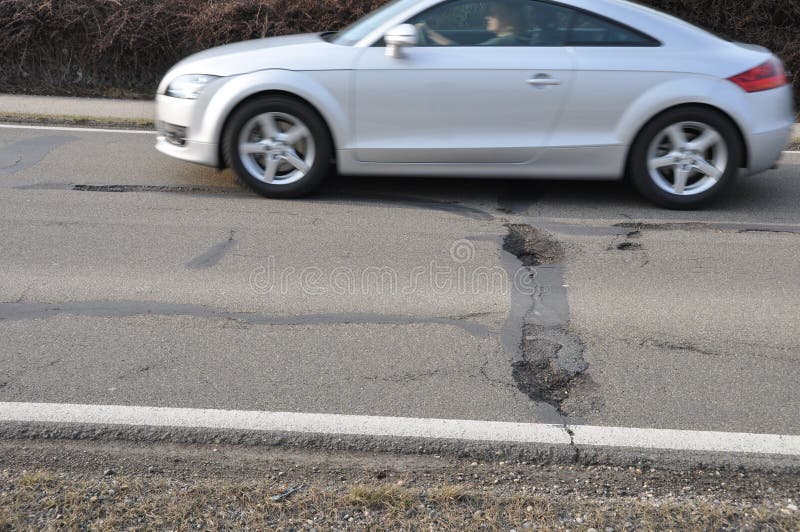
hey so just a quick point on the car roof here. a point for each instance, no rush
(667, 29)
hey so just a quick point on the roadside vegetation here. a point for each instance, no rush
(121, 49)
(113, 486)
(48, 498)
(76, 120)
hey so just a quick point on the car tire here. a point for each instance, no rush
(277, 146)
(685, 157)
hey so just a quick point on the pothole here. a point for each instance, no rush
(549, 366)
(532, 246)
(551, 361)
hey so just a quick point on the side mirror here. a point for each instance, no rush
(399, 37)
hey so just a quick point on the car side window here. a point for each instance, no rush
(461, 15)
(589, 30)
(519, 23)
(474, 23)
(549, 24)
(553, 24)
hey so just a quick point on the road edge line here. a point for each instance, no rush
(402, 427)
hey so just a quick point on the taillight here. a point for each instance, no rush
(769, 75)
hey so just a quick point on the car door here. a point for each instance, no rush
(465, 102)
(615, 65)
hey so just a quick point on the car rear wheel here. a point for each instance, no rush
(686, 157)
(277, 146)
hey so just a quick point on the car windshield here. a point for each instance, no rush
(363, 26)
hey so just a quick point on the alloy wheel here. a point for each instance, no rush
(276, 148)
(687, 158)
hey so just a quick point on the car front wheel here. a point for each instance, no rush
(277, 146)
(685, 158)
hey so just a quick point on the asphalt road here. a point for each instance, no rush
(129, 278)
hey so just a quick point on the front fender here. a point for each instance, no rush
(326, 91)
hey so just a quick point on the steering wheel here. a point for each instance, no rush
(422, 36)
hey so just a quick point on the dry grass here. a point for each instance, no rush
(77, 120)
(45, 499)
(383, 497)
(448, 494)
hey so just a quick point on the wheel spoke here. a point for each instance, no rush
(708, 169)
(296, 134)
(252, 147)
(676, 135)
(271, 168)
(268, 126)
(276, 148)
(704, 141)
(681, 176)
(661, 162)
(295, 160)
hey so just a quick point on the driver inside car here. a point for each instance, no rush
(506, 19)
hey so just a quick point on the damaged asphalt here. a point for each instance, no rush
(548, 358)
(617, 314)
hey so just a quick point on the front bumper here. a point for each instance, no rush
(178, 114)
(193, 151)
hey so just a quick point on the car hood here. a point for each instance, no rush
(307, 51)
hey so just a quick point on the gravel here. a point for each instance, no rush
(53, 484)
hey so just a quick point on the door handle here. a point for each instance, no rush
(543, 80)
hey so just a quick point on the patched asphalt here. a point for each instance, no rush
(188, 291)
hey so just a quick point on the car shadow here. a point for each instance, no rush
(768, 197)
(510, 196)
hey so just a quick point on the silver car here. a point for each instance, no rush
(535, 89)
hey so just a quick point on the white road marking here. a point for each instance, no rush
(455, 429)
(80, 129)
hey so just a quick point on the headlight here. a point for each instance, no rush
(188, 86)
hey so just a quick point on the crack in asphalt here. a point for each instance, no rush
(630, 231)
(11, 164)
(13, 311)
(686, 346)
(400, 202)
(483, 370)
(406, 202)
(406, 378)
(179, 189)
(661, 344)
(765, 230)
(214, 254)
(709, 226)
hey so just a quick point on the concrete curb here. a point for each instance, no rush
(55, 106)
(536, 453)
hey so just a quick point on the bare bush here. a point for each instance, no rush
(123, 47)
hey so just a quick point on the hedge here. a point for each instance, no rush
(123, 47)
